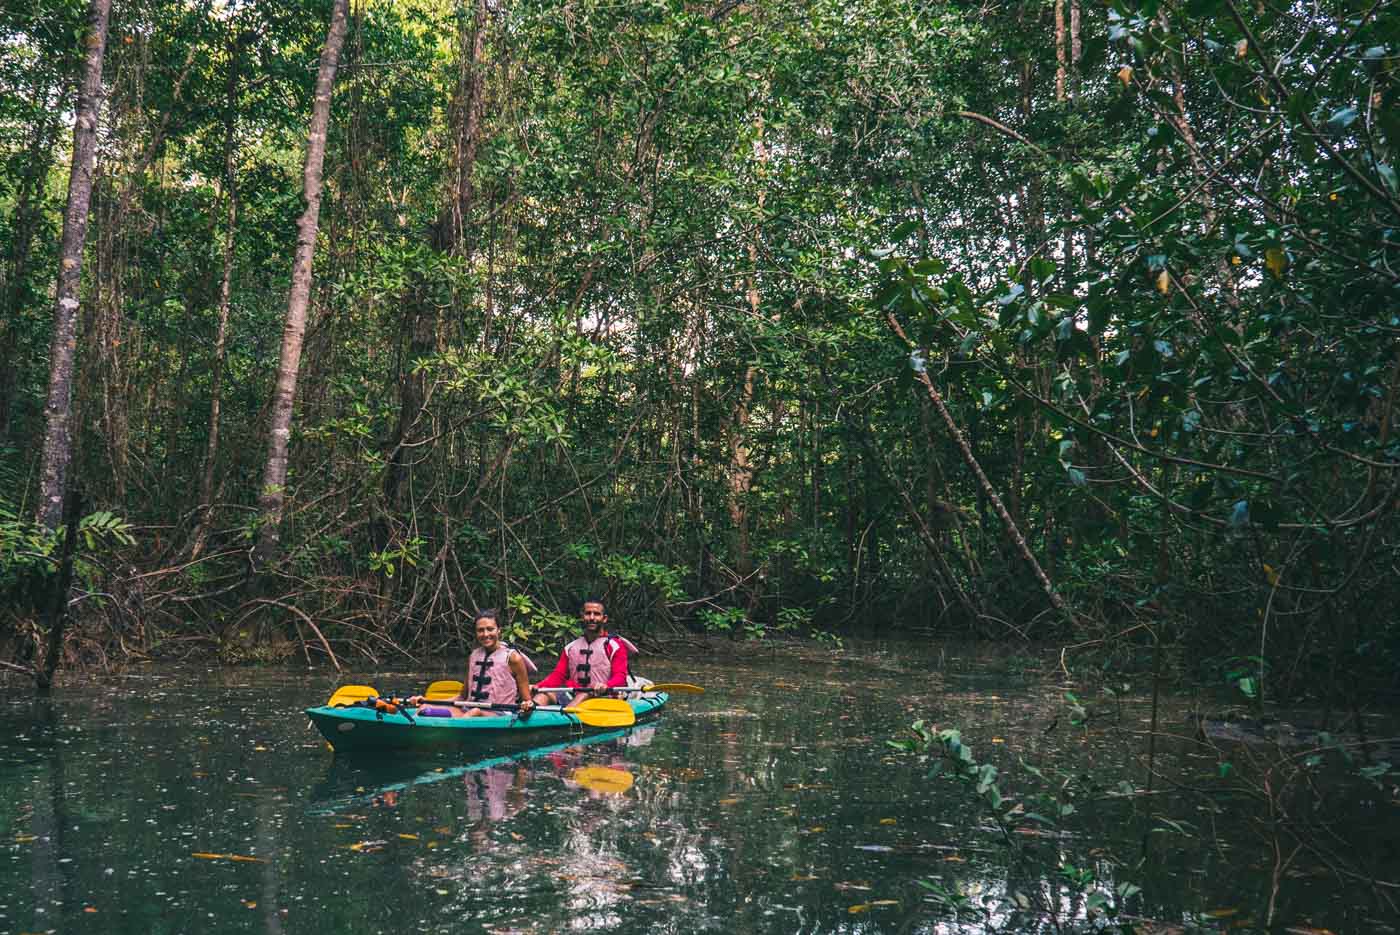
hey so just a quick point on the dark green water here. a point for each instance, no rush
(770, 804)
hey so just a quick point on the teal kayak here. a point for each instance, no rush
(356, 729)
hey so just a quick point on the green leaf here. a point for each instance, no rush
(1342, 119)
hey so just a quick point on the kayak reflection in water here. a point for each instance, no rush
(496, 675)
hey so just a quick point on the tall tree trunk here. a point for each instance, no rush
(216, 377)
(1061, 51)
(58, 441)
(273, 493)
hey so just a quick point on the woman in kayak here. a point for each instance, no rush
(497, 676)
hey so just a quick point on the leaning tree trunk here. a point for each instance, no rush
(58, 440)
(272, 498)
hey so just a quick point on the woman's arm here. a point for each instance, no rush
(522, 681)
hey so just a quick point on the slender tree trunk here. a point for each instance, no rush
(273, 494)
(216, 377)
(1061, 51)
(58, 440)
(1012, 529)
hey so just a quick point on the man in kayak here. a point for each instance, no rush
(497, 675)
(592, 666)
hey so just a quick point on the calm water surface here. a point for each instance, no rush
(192, 800)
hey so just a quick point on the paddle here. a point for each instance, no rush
(346, 695)
(443, 690)
(595, 712)
(673, 688)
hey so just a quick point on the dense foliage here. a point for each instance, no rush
(755, 316)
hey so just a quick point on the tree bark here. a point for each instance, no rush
(58, 440)
(273, 494)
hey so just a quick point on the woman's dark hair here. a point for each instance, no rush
(487, 614)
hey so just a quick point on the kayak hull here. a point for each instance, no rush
(354, 730)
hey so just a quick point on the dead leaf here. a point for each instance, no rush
(859, 908)
(1164, 282)
(1125, 75)
(408, 837)
(1221, 913)
(889, 821)
(1276, 261)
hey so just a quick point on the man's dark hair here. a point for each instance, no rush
(593, 600)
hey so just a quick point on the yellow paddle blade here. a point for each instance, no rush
(443, 690)
(349, 694)
(675, 688)
(603, 779)
(604, 712)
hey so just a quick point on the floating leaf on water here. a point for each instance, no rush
(852, 886)
(884, 902)
(250, 903)
(89, 909)
(732, 800)
(24, 838)
(1221, 913)
(816, 829)
(955, 859)
(443, 829)
(803, 877)
(246, 859)
(408, 837)
(203, 856)
(889, 821)
(998, 740)
(859, 908)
